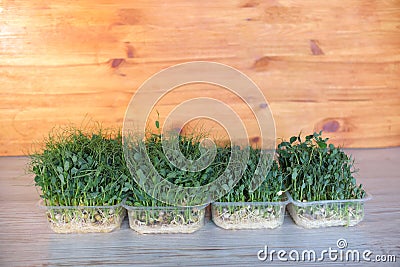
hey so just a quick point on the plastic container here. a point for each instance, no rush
(327, 213)
(166, 220)
(248, 215)
(84, 219)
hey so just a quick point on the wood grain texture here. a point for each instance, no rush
(320, 65)
(26, 239)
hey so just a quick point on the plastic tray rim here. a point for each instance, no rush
(367, 197)
(44, 207)
(237, 204)
(133, 208)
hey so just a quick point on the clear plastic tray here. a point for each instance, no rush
(84, 219)
(327, 213)
(248, 215)
(166, 220)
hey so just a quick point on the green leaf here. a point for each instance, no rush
(321, 144)
(294, 174)
(141, 176)
(60, 169)
(225, 187)
(66, 165)
(61, 177)
(74, 171)
(137, 156)
(293, 139)
(309, 137)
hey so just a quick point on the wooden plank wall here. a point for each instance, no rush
(331, 65)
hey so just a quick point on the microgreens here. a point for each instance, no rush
(270, 190)
(317, 170)
(190, 148)
(190, 145)
(77, 168)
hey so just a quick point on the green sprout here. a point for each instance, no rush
(244, 208)
(318, 171)
(271, 189)
(78, 168)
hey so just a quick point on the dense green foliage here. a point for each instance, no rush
(271, 189)
(80, 169)
(77, 168)
(317, 170)
(190, 147)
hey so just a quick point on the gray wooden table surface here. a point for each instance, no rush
(26, 240)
